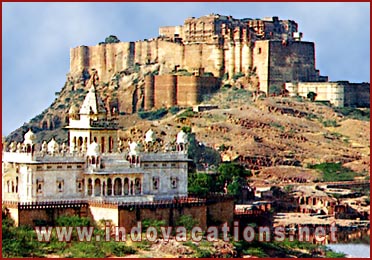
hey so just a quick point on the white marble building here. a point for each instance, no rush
(93, 166)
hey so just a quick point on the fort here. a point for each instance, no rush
(268, 50)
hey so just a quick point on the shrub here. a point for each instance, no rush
(187, 221)
(153, 115)
(238, 75)
(174, 110)
(334, 172)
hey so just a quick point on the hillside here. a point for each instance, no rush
(289, 133)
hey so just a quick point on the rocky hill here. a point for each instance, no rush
(259, 132)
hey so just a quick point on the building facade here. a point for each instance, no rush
(94, 165)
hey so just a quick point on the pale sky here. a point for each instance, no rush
(37, 37)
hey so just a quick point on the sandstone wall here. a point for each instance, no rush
(28, 216)
(357, 94)
(326, 91)
(221, 212)
(261, 63)
(170, 90)
(291, 62)
(165, 91)
(128, 218)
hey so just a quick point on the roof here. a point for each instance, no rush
(92, 104)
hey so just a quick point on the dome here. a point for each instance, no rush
(93, 149)
(134, 149)
(182, 137)
(29, 137)
(53, 146)
(150, 136)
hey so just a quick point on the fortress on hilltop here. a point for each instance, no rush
(267, 52)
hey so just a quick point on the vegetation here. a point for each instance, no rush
(202, 155)
(354, 113)
(334, 172)
(312, 96)
(174, 110)
(200, 184)
(110, 39)
(187, 113)
(238, 75)
(23, 242)
(275, 90)
(153, 115)
(187, 221)
(231, 175)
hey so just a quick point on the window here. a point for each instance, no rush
(59, 167)
(69, 166)
(79, 185)
(164, 164)
(60, 185)
(259, 50)
(39, 186)
(174, 182)
(49, 167)
(155, 183)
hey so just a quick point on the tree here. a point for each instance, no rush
(234, 175)
(200, 184)
(312, 96)
(110, 39)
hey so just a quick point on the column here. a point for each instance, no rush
(122, 186)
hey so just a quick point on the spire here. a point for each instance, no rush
(92, 104)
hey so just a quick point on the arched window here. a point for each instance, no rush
(137, 186)
(109, 186)
(118, 186)
(97, 187)
(126, 186)
(90, 187)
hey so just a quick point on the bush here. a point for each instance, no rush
(354, 113)
(334, 172)
(238, 75)
(174, 110)
(330, 123)
(153, 115)
(187, 113)
(187, 221)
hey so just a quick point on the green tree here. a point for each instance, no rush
(112, 39)
(234, 175)
(312, 96)
(200, 184)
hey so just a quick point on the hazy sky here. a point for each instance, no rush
(37, 38)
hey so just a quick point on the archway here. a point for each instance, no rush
(90, 187)
(126, 186)
(118, 186)
(109, 187)
(97, 187)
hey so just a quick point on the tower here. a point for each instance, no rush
(90, 124)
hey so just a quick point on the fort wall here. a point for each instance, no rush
(357, 94)
(170, 90)
(165, 91)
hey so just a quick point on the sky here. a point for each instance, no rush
(37, 37)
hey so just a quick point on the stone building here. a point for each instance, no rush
(339, 93)
(93, 167)
(269, 48)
